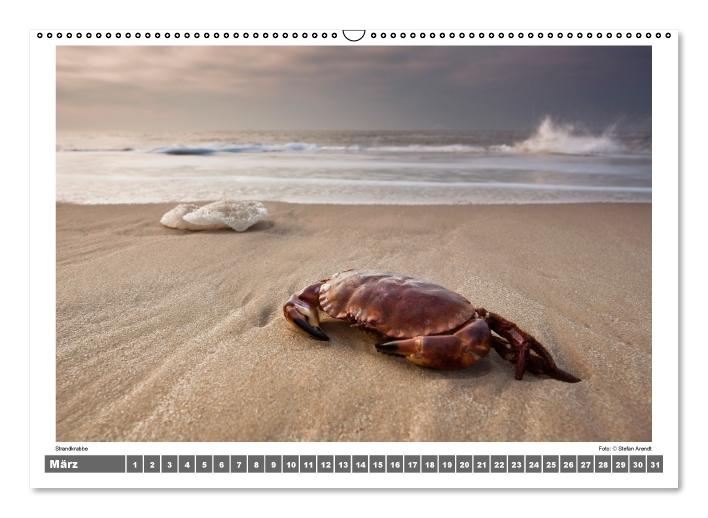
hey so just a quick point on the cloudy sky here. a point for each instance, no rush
(357, 87)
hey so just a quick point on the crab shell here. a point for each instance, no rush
(393, 305)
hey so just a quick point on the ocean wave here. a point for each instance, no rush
(211, 149)
(553, 138)
(432, 148)
(313, 147)
(548, 138)
(94, 150)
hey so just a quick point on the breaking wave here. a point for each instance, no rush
(552, 137)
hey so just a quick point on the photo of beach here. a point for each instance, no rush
(519, 177)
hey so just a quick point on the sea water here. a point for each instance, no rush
(551, 164)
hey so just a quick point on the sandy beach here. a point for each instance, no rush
(168, 335)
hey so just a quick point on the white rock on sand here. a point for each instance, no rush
(238, 215)
(174, 218)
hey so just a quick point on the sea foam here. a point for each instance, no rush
(552, 137)
(210, 149)
(551, 163)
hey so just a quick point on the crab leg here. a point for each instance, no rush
(448, 352)
(303, 311)
(523, 349)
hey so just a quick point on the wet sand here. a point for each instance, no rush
(168, 335)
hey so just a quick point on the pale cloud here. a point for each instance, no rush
(235, 68)
(197, 87)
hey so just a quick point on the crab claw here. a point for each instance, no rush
(315, 332)
(302, 310)
(447, 352)
(438, 352)
(304, 318)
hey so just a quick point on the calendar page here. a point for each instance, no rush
(418, 257)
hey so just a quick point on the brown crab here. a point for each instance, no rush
(427, 324)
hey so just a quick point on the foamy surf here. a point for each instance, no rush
(549, 137)
(308, 147)
(238, 148)
(556, 163)
(554, 138)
